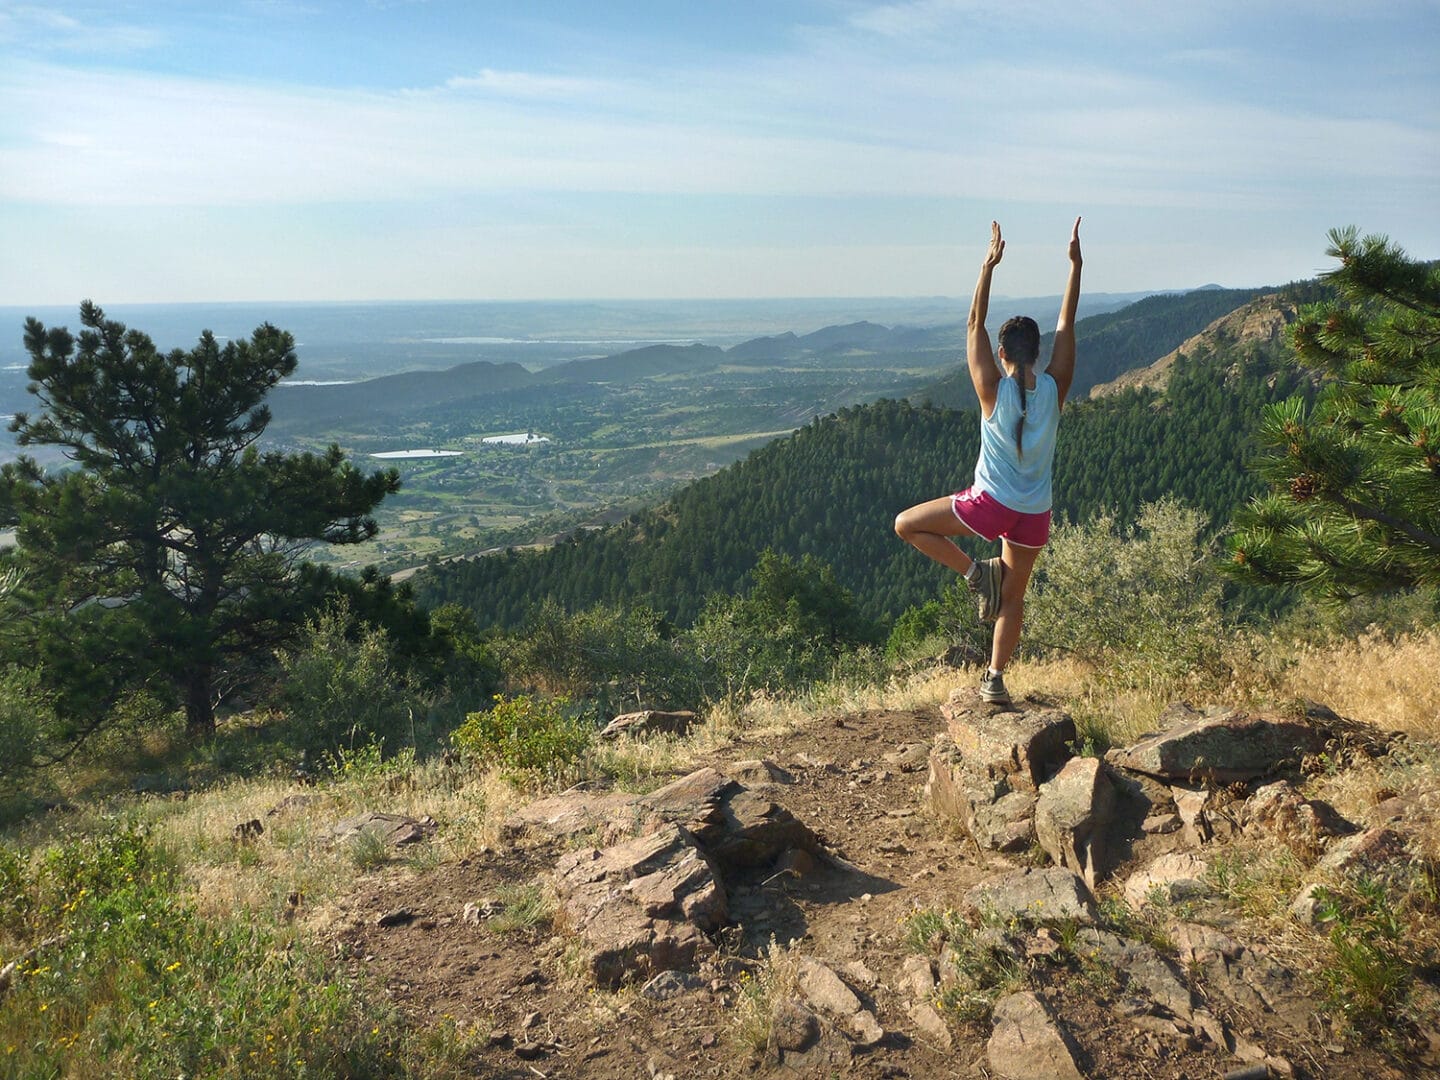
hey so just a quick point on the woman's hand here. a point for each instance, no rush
(997, 246)
(1074, 242)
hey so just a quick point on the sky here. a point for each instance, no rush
(265, 150)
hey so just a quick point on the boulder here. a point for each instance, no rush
(1035, 895)
(1308, 906)
(568, 814)
(1204, 812)
(1372, 851)
(1279, 811)
(1072, 814)
(918, 977)
(825, 990)
(1028, 1043)
(757, 773)
(643, 906)
(736, 826)
(395, 830)
(931, 1025)
(650, 722)
(994, 815)
(1219, 746)
(1174, 877)
(1026, 745)
(911, 757)
(1196, 943)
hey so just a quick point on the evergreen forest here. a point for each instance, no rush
(832, 489)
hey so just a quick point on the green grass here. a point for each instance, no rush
(118, 974)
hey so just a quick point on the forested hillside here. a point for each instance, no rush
(833, 488)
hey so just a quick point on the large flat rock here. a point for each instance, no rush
(1027, 745)
(1219, 746)
(1034, 895)
(1028, 1043)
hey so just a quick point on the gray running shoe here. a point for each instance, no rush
(987, 588)
(992, 688)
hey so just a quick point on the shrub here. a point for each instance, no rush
(772, 986)
(940, 627)
(1142, 605)
(341, 691)
(1377, 947)
(23, 708)
(618, 656)
(525, 734)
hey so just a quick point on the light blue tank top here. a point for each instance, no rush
(1020, 478)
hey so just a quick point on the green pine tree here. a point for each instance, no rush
(171, 553)
(1354, 505)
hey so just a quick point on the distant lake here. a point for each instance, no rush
(397, 454)
(521, 439)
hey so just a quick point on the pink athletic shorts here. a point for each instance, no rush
(986, 517)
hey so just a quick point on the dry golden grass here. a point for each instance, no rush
(1393, 684)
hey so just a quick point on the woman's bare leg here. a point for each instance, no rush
(928, 526)
(1019, 563)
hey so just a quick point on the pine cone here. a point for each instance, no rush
(1303, 487)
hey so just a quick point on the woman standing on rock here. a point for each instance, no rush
(1011, 495)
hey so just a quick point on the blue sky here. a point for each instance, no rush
(402, 149)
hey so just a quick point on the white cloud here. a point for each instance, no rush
(74, 137)
(522, 84)
(45, 29)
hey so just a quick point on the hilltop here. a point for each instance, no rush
(868, 923)
(1260, 324)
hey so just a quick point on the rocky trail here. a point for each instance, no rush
(965, 899)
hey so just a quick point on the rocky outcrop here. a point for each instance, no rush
(645, 898)
(1219, 746)
(394, 830)
(641, 907)
(985, 771)
(1072, 816)
(1023, 745)
(1052, 894)
(650, 722)
(1169, 879)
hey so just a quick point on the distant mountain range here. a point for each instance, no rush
(1111, 342)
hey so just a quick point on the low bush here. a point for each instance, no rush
(525, 734)
(346, 692)
(1141, 605)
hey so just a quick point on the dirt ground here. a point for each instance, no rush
(859, 781)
